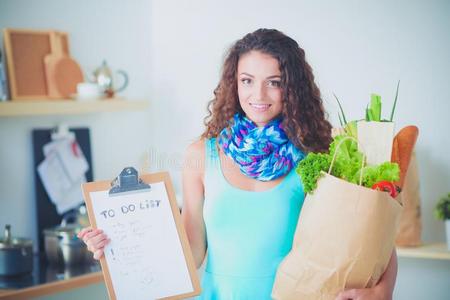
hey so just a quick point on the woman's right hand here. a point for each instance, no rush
(95, 240)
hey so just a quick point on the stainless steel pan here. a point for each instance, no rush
(16, 254)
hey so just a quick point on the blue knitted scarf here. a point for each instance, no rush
(264, 153)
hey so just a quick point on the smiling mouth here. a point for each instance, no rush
(260, 106)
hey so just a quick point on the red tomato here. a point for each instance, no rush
(386, 186)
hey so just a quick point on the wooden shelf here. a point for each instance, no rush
(67, 107)
(52, 287)
(430, 251)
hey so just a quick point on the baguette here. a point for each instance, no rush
(402, 148)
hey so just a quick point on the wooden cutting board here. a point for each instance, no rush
(61, 71)
(25, 50)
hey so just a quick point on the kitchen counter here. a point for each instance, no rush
(428, 251)
(46, 279)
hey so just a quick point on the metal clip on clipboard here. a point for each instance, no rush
(127, 181)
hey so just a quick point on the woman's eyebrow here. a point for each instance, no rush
(270, 77)
(246, 74)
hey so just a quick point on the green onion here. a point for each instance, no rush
(375, 107)
(340, 107)
(395, 102)
(340, 120)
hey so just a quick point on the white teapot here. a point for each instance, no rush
(103, 76)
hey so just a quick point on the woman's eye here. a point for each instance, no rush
(246, 81)
(274, 83)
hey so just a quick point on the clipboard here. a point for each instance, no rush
(149, 256)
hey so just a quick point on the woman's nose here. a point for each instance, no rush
(258, 92)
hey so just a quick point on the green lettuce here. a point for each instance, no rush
(348, 165)
(309, 169)
(386, 171)
(348, 158)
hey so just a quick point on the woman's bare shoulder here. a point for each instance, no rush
(196, 148)
(194, 158)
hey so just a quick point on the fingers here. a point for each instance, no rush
(347, 294)
(91, 234)
(83, 232)
(340, 297)
(98, 254)
(103, 243)
(98, 249)
(99, 242)
(95, 240)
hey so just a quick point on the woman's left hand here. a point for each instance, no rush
(375, 293)
(382, 291)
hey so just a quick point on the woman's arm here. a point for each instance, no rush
(382, 291)
(193, 195)
(387, 280)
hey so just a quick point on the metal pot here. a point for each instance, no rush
(63, 247)
(16, 254)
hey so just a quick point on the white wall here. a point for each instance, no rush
(173, 51)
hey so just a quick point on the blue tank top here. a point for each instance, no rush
(248, 233)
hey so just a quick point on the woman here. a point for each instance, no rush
(241, 195)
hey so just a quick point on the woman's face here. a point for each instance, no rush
(259, 91)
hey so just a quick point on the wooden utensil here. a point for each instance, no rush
(62, 72)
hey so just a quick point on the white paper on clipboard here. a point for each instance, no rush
(145, 256)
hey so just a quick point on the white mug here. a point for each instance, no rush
(88, 90)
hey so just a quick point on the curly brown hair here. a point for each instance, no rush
(304, 117)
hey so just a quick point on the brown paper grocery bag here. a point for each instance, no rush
(375, 139)
(344, 239)
(410, 228)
